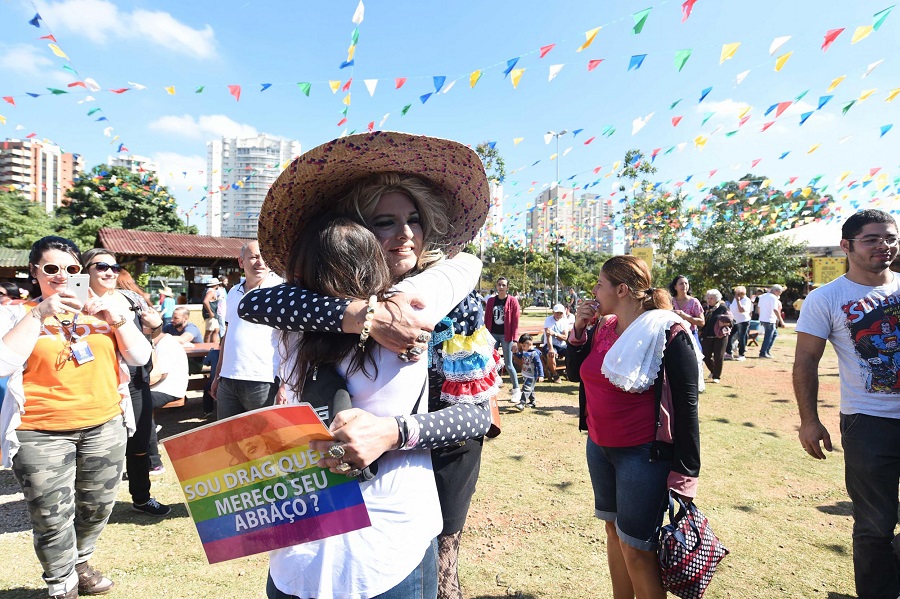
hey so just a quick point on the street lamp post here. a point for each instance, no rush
(556, 220)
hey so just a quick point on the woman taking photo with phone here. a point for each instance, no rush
(638, 355)
(66, 412)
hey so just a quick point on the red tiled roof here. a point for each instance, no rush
(170, 248)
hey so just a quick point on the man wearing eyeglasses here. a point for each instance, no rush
(858, 313)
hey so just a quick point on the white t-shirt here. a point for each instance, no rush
(402, 499)
(863, 325)
(171, 361)
(560, 326)
(251, 350)
(737, 314)
(768, 304)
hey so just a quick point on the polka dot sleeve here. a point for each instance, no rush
(289, 308)
(451, 425)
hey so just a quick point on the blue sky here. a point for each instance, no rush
(189, 44)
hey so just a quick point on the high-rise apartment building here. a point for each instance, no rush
(580, 222)
(39, 170)
(239, 172)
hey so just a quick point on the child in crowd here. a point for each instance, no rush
(532, 370)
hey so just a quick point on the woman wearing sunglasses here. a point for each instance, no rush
(65, 413)
(104, 271)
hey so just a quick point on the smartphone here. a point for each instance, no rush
(79, 285)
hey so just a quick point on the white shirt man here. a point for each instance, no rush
(770, 318)
(249, 357)
(169, 377)
(859, 314)
(556, 331)
(740, 307)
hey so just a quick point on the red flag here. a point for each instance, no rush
(713, 172)
(589, 141)
(78, 84)
(767, 125)
(830, 37)
(371, 126)
(676, 120)
(235, 90)
(30, 135)
(398, 82)
(686, 9)
(791, 180)
(545, 49)
(597, 170)
(782, 106)
(10, 100)
(755, 162)
(342, 121)
(593, 64)
(744, 120)
(347, 85)
(48, 37)
(872, 171)
(120, 91)
(743, 184)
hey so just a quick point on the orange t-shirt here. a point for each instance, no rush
(60, 393)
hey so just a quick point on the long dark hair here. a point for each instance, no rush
(339, 257)
(53, 242)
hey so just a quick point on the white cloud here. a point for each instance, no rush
(101, 20)
(204, 127)
(180, 170)
(24, 59)
(723, 108)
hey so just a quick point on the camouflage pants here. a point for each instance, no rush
(69, 479)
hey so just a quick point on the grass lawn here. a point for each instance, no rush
(531, 531)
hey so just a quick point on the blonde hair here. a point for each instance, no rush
(362, 198)
(634, 273)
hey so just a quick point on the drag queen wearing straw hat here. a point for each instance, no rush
(423, 198)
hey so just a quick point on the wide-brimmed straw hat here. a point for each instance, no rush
(313, 181)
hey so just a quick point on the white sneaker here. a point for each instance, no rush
(714, 381)
(515, 396)
(740, 358)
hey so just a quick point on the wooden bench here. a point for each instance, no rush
(538, 341)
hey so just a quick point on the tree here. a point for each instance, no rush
(116, 197)
(634, 166)
(492, 160)
(24, 221)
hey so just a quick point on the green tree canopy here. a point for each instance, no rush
(24, 221)
(493, 162)
(116, 197)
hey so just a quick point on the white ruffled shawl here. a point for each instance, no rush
(633, 361)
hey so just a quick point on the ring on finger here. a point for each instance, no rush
(353, 473)
(336, 451)
(404, 357)
(423, 338)
(343, 467)
(415, 350)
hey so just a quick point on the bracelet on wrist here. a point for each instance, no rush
(402, 431)
(367, 323)
(117, 325)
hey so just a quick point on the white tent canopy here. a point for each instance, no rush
(821, 238)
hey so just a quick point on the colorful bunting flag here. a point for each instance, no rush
(872, 67)
(398, 82)
(885, 129)
(35, 20)
(199, 90)
(835, 82)
(686, 9)
(474, 77)
(554, 71)
(9, 100)
(516, 76)
(805, 116)
(703, 94)
(879, 17)
(264, 87)
(235, 90)
(405, 109)
(593, 64)
(728, 51)
(681, 57)
(781, 61)
(359, 14)
(865, 94)
(847, 106)
(861, 33)
(741, 76)
(640, 18)
(676, 120)
(636, 62)
(424, 98)
(830, 36)
(777, 43)
(347, 85)
(546, 49)
(370, 86)
(892, 94)
(304, 87)
(439, 82)
(813, 148)
(56, 50)
(590, 35)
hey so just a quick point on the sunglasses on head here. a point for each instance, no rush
(103, 267)
(51, 269)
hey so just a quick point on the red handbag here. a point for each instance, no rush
(689, 551)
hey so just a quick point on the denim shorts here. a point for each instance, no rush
(629, 490)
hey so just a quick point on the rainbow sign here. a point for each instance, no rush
(251, 484)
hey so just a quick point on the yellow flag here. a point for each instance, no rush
(744, 112)
(866, 93)
(474, 77)
(515, 76)
(813, 149)
(781, 61)
(699, 142)
(590, 35)
(350, 52)
(729, 196)
(806, 191)
(553, 156)
(346, 100)
(2, 120)
(861, 33)
(836, 82)
(844, 175)
(616, 164)
(171, 90)
(334, 85)
(728, 51)
(892, 94)
(516, 140)
(766, 183)
(56, 50)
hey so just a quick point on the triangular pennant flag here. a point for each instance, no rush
(48, 37)
(346, 100)
(830, 36)
(398, 82)
(359, 14)
(545, 49)
(681, 57)
(449, 86)
(474, 77)
(354, 37)
(9, 100)
(405, 109)
(199, 90)
(781, 61)
(636, 61)
(554, 71)
(767, 125)
(56, 50)
(865, 94)
(515, 77)
(347, 85)
(872, 67)
(813, 148)
(640, 19)
(686, 9)
(703, 94)
(835, 82)
(885, 129)
(345, 64)
(170, 90)
(805, 116)
(439, 82)
(879, 17)
(728, 51)
(517, 140)
(57, 92)
(590, 35)
(424, 97)
(304, 87)
(777, 43)
(676, 120)
(334, 85)
(35, 20)
(265, 86)
(639, 123)
(742, 76)
(892, 94)
(847, 106)
(700, 141)
(510, 65)
(235, 90)
(706, 117)
(675, 103)
(755, 162)
(370, 85)
(861, 33)
(341, 122)
(593, 64)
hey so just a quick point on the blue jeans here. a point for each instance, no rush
(771, 332)
(236, 396)
(507, 358)
(420, 584)
(872, 473)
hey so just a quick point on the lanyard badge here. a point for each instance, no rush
(79, 350)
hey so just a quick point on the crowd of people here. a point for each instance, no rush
(358, 282)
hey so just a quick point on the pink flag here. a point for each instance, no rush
(545, 49)
(235, 90)
(10, 100)
(398, 82)
(593, 64)
(744, 120)
(767, 125)
(342, 121)
(589, 141)
(686, 9)
(347, 85)
(676, 120)
(830, 37)
(755, 162)
(782, 106)
(743, 184)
